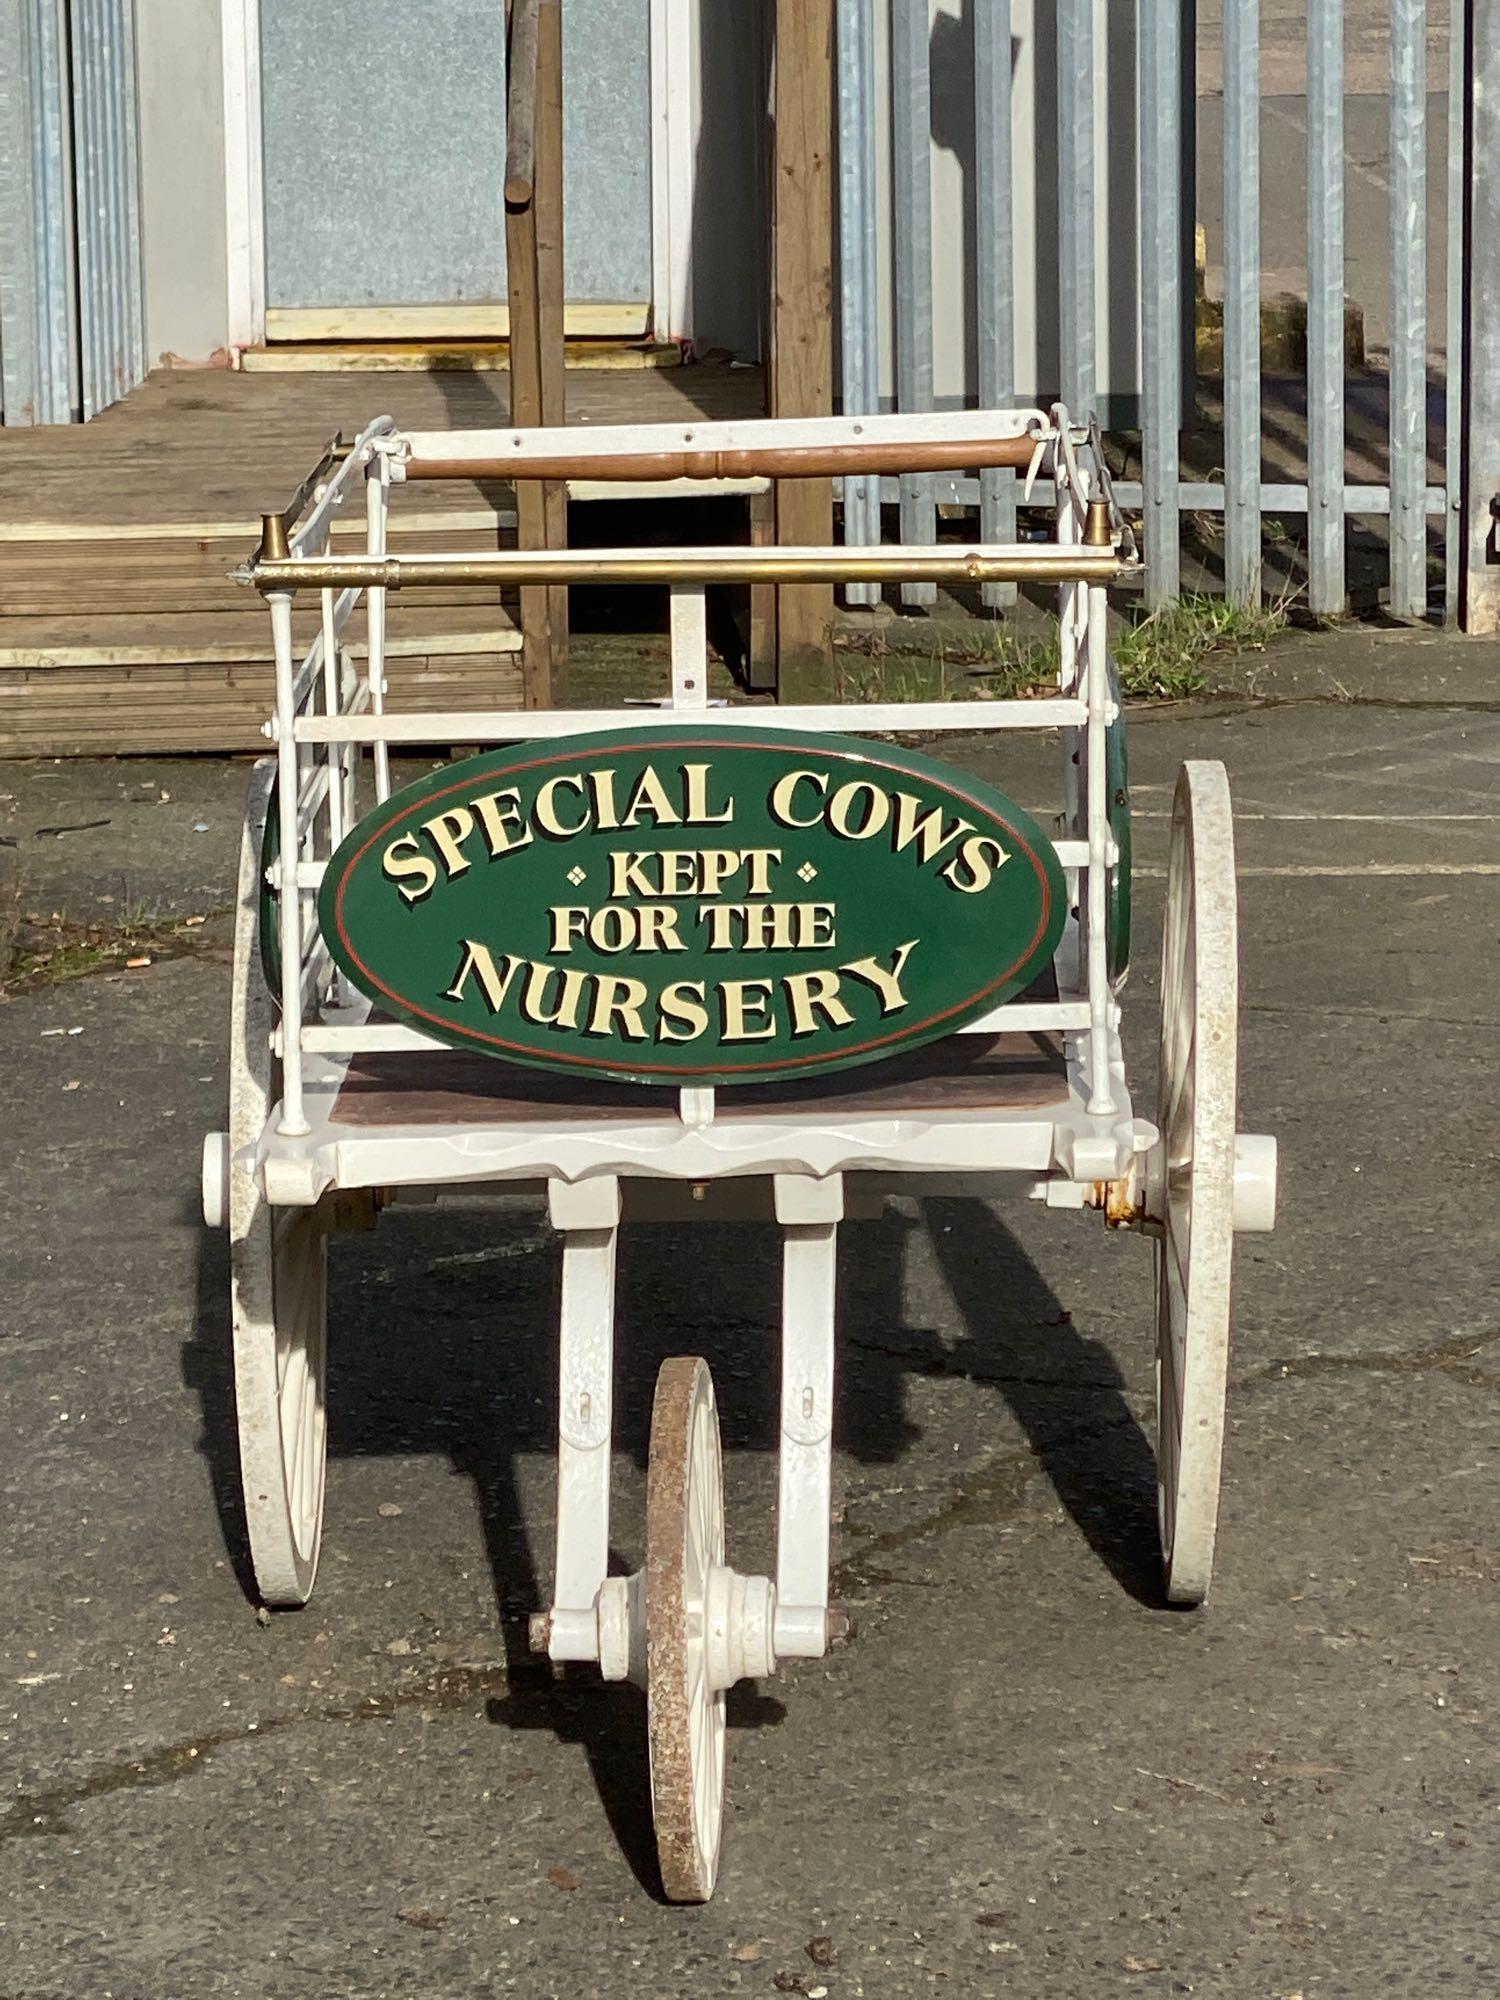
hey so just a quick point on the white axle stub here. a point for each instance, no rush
(215, 1179)
(1255, 1178)
(739, 1613)
(1138, 1200)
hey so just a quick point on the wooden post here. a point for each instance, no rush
(534, 287)
(551, 286)
(801, 375)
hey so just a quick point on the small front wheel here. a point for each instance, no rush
(685, 1711)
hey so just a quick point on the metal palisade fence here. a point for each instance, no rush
(72, 319)
(1081, 121)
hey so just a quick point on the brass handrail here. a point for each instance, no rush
(1052, 563)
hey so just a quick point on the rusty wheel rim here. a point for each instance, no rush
(685, 1714)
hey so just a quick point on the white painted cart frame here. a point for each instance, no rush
(287, 1170)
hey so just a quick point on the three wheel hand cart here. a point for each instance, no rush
(699, 943)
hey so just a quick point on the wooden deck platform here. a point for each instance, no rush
(119, 627)
(961, 1074)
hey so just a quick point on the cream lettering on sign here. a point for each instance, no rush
(545, 812)
(768, 926)
(715, 866)
(859, 810)
(606, 813)
(479, 961)
(758, 862)
(886, 983)
(974, 866)
(622, 997)
(448, 832)
(699, 812)
(812, 993)
(629, 874)
(679, 871)
(649, 797)
(414, 873)
(505, 827)
(784, 792)
(925, 828)
(684, 1018)
(568, 921)
(656, 928)
(534, 1004)
(745, 1010)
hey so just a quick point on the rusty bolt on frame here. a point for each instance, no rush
(1120, 1202)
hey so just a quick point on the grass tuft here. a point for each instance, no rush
(52, 950)
(1165, 656)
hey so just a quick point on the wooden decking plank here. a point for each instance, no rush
(117, 537)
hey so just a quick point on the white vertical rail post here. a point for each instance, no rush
(336, 827)
(1453, 345)
(1071, 613)
(1076, 263)
(1409, 308)
(689, 627)
(1101, 1083)
(1481, 425)
(1242, 558)
(293, 1123)
(857, 272)
(1159, 102)
(1325, 307)
(587, 1213)
(994, 268)
(689, 632)
(809, 1289)
(911, 131)
(377, 503)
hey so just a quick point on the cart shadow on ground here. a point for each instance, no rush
(442, 1341)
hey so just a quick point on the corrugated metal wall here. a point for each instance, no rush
(72, 323)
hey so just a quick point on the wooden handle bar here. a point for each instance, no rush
(769, 462)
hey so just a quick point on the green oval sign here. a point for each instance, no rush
(693, 905)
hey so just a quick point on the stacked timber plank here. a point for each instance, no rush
(120, 629)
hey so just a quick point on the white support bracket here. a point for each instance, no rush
(809, 1211)
(587, 1214)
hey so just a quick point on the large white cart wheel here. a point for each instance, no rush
(685, 1712)
(278, 1284)
(1192, 1197)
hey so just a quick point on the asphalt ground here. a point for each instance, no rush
(1024, 1776)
